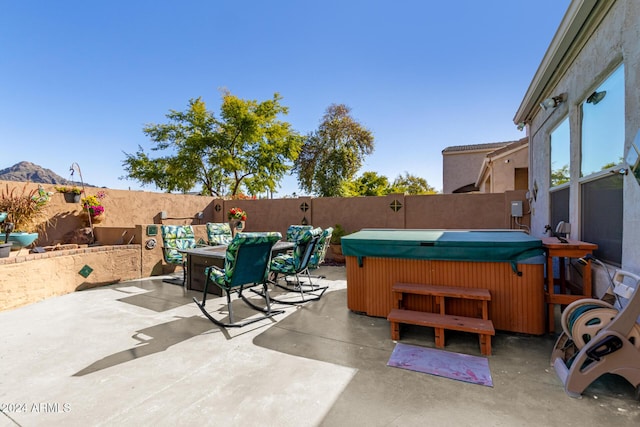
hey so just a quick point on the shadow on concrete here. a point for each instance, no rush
(154, 339)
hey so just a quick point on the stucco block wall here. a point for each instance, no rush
(461, 168)
(31, 278)
(125, 253)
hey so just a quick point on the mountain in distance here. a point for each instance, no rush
(29, 172)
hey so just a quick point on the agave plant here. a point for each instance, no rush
(26, 209)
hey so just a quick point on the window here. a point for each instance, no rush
(559, 206)
(603, 125)
(602, 217)
(560, 153)
(602, 145)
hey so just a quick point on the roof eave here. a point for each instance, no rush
(572, 22)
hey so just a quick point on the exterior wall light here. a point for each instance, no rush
(552, 102)
(596, 97)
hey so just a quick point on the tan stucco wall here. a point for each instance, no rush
(503, 172)
(31, 278)
(124, 254)
(613, 42)
(461, 168)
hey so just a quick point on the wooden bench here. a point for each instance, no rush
(441, 321)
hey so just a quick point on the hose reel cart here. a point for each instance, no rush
(599, 338)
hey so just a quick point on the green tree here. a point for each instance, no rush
(247, 148)
(333, 153)
(560, 176)
(410, 184)
(369, 184)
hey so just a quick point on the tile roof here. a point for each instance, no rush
(486, 147)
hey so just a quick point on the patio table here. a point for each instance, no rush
(198, 259)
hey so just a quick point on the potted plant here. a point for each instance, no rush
(336, 239)
(71, 194)
(26, 214)
(5, 248)
(236, 217)
(93, 208)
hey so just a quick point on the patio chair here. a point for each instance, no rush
(218, 233)
(246, 265)
(294, 231)
(319, 254)
(174, 239)
(296, 264)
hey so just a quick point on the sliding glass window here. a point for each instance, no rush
(601, 207)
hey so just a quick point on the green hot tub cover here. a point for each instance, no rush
(451, 245)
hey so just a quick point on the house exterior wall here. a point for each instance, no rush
(502, 176)
(613, 42)
(461, 168)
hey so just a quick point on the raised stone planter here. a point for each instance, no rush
(25, 279)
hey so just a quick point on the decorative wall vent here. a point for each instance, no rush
(395, 206)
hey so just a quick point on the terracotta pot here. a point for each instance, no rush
(84, 216)
(98, 218)
(336, 248)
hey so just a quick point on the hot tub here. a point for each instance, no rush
(510, 264)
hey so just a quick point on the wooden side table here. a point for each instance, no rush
(571, 249)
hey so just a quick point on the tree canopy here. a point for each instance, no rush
(560, 176)
(374, 184)
(369, 184)
(331, 155)
(410, 184)
(247, 149)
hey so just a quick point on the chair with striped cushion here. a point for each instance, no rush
(295, 264)
(295, 231)
(174, 239)
(318, 256)
(246, 265)
(218, 233)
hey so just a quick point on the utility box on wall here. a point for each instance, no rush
(516, 208)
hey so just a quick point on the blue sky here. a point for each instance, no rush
(80, 79)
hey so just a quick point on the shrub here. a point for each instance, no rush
(25, 209)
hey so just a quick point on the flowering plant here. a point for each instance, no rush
(63, 189)
(93, 204)
(237, 213)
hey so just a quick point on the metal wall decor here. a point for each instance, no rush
(395, 206)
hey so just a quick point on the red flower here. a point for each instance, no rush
(237, 213)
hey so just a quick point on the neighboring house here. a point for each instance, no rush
(487, 168)
(589, 81)
(505, 169)
(461, 163)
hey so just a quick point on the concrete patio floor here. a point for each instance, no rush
(141, 353)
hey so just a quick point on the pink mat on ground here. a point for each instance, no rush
(461, 367)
